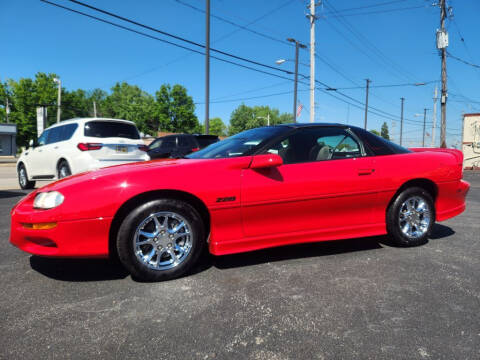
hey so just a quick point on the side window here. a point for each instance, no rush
(42, 140)
(68, 131)
(169, 142)
(55, 135)
(156, 144)
(183, 141)
(316, 144)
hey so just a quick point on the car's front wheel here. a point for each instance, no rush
(161, 240)
(410, 217)
(23, 178)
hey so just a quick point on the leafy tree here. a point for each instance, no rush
(384, 131)
(129, 102)
(245, 117)
(217, 127)
(176, 110)
(375, 132)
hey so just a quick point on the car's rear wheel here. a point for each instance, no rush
(23, 181)
(63, 170)
(410, 217)
(161, 240)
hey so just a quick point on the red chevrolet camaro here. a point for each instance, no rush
(264, 187)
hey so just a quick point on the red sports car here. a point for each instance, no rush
(264, 187)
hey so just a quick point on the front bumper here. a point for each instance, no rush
(77, 238)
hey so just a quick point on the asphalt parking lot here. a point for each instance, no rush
(354, 299)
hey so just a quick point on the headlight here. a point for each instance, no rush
(47, 200)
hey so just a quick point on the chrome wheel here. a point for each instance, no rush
(163, 240)
(23, 177)
(414, 217)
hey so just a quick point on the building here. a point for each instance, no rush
(8, 135)
(471, 141)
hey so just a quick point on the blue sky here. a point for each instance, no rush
(389, 44)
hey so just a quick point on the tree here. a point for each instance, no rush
(245, 117)
(175, 109)
(129, 102)
(217, 127)
(384, 131)
(375, 132)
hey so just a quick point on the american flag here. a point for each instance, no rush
(299, 109)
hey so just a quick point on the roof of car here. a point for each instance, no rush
(78, 120)
(297, 125)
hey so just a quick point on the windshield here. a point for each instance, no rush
(242, 144)
(106, 129)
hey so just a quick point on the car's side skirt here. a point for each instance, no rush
(262, 242)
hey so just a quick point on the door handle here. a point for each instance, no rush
(365, 171)
(56, 147)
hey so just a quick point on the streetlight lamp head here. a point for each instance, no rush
(291, 39)
(280, 61)
(57, 80)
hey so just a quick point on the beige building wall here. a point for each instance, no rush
(471, 141)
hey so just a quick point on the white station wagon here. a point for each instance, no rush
(78, 145)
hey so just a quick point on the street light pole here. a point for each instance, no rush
(424, 123)
(401, 120)
(59, 98)
(297, 46)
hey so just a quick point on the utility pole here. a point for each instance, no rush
(434, 116)
(366, 104)
(312, 60)
(424, 123)
(401, 120)
(207, 69)
(7, 109)
(297, 46)
(442, 43)
(59, 98)
(94, 109)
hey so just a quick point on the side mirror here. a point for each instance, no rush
(266, 161)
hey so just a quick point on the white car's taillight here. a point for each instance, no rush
(48, 200)
(89, 146)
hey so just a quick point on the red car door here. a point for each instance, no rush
(325, 185)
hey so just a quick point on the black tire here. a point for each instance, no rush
(63, 170)
(127, 235)
(23, 181)
(394, 217)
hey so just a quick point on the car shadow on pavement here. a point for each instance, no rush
(102, 269)
(441, 231)
(78, 269)
(5, 194)
(314, 249)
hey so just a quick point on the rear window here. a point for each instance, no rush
(108, 129)
(205, 140)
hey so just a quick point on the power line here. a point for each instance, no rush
(365, 42)
(380, 11)
(370, 6)
(388, 86)
(372, 109)
(242, 27)
(172, 43)
(462, 61)
(191, 42)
